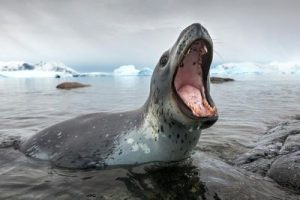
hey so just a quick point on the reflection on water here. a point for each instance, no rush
(172, 182)
(246, 109)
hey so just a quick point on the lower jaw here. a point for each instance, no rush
(195, 102)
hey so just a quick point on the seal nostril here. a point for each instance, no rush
(164, 60)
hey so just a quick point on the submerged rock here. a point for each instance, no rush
(71, 85)
(220, 80)
(277, 155)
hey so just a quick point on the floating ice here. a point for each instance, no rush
(126, 70)
(249, 68)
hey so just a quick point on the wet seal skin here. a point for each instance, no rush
(164, 129)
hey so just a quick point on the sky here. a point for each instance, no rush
(99, 35)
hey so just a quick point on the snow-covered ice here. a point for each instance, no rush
(20, 69)
(250, 68)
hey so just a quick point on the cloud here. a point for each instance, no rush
(103, 34)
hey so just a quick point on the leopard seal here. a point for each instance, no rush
(164, 129)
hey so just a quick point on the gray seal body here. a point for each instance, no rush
(164, 129)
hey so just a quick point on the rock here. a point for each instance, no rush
(71, 85)
(292, 144)
(286, 171)
(220, 80)
(277, 155)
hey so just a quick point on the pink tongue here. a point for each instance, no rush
(193, 99)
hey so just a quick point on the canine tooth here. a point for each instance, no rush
(214, 109)
(189, 51)
(205, 49)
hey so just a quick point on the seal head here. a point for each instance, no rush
(181, 83)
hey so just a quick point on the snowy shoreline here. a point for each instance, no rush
(19, 69)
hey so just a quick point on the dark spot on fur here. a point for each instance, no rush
(162, 128)
(155, 96)
(178, 136)
(182, 141)
(170, 136)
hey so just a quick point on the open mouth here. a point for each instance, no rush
(190, 82)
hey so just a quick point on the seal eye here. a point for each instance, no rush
(164, 60)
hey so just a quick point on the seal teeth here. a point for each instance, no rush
(195, 110)
(207, 105)
(211, 109)
(205, 49)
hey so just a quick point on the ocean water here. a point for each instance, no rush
(247, 108)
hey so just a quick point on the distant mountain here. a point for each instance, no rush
(42, 66)
(20, 69)
(55, 66)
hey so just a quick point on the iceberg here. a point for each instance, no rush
(250, 68)
(145, 72)
(126, 70)
(131, 70)
(93, 74)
